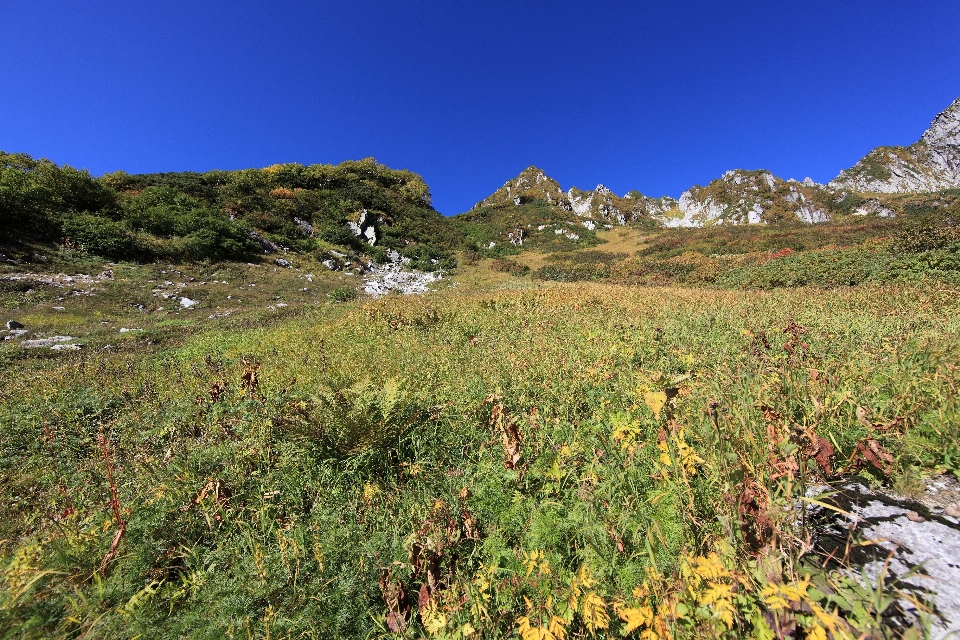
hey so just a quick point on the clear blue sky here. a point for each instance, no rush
(654, 96)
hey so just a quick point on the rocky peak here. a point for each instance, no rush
(945, 128)
(930, 164)
(532, 184)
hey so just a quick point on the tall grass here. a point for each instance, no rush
(562, 461)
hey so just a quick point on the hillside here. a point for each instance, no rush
(532, 211)
(361, 206)
(605, 459)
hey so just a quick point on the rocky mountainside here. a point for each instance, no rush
(532, 184)
(738, 197)
(743, 197)
(600, 205)
(603, 204)
(930, 164)
(870, 188)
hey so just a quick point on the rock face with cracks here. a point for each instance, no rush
(746, 197)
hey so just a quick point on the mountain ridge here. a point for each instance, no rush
(742, 196)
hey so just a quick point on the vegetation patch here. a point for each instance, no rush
(591, 459)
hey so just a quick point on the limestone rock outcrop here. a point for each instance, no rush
(930, 164)
(747, 197)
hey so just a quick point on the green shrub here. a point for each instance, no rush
(343, 294)
(352, 417)
(509, 266)
(103, 237)
(929, 232)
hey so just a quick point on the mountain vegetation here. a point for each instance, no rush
(222, 215)
(612, 417)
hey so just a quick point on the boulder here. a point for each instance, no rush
(367, 226)
(903, 535)
(13, 324)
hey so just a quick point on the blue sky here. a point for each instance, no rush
(654, 96)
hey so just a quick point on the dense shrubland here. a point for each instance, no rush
(219, 215)
(911, 249)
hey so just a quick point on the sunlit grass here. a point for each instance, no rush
(270, 479)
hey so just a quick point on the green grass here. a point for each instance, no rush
(289, 478)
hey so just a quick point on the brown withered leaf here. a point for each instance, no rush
(712, 411)
(770, 414)
(250, 378)
(820, 450)
(892, 425)
(217, 389)
(511, 444)
(114, 546)
(782, 466)
(755, 523)
(509, 432)
(423, 597)
(863, 417)
(617, 538)
(871, 452)
(470, 529)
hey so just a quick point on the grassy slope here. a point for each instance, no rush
(295, 507)
(218, 215)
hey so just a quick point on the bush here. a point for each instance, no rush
(343, 294)
(103, 237)
(509, 266)
(363, 415)
(928, 233)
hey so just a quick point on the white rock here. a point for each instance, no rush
(382, 279)
(44, 342)
(187, 303)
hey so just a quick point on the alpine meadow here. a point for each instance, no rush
(299, 402)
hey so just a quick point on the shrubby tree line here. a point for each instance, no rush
(219, 215)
